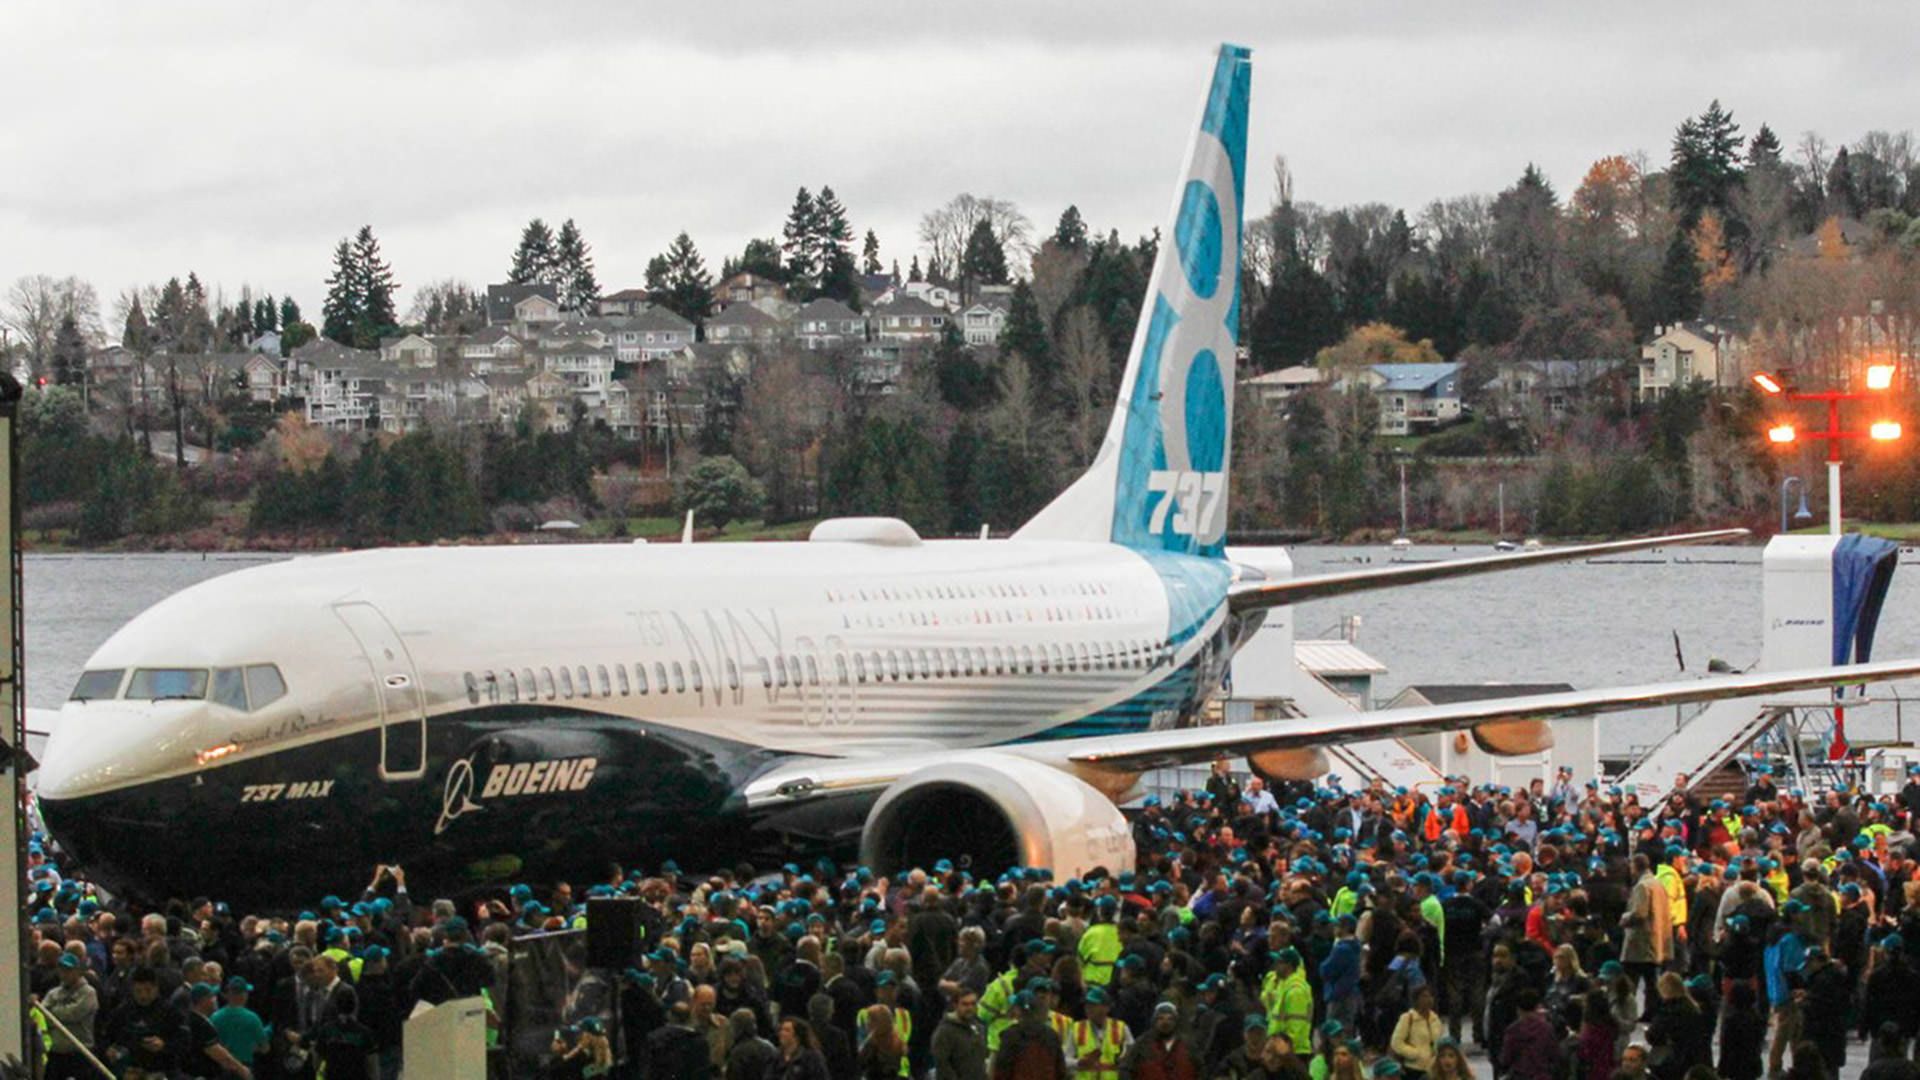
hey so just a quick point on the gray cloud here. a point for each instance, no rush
(242, 140)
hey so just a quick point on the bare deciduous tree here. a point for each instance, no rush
(945, 230)
(35, 306)
(1084, 373)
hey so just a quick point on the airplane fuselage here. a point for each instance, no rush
(480, 713)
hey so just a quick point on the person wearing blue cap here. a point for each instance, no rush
(73, 1001)
(1099, 945)
(238, 1027)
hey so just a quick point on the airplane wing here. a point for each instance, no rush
(1156, 749)
(1145, 750)
(1259, 595)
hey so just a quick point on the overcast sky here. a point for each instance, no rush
(242, 139)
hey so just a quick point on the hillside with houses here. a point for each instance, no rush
(1521, 363)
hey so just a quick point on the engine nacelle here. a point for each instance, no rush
(1001, 810)
(1508, 738)
(1303, 763)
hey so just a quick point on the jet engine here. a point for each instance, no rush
(1002, 811)
(1278, 766)
(1510, 737)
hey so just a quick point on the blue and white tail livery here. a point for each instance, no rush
(1159, 482)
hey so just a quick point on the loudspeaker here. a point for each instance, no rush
(613, 932)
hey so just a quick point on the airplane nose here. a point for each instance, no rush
(98, 747)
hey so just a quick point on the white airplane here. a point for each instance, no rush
(485, 713)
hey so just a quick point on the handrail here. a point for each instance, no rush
(82, 1047)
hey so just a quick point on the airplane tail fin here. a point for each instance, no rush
(1159, 481)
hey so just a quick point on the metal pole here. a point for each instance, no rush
(1403, 498)
(1833, 466)
(1833, 497)
(14, 1028)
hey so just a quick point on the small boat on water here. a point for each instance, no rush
(1505, 545)
(1401, 543)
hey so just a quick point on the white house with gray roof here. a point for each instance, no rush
(828, 324)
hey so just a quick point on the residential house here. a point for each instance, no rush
(743, 323)
(652, 334)
(620, 412)
(552, 397)
(746, 288)
(491, 349)
(1413, 397)
(411, 396)
(1684, 352)
(939, 296)
(587, 368)
(1553, 388)
(523, 307)
(982, 323)
(626, 303)
(908, 320)
(413, 350)
(574, 333)
(1278, 387)
(828, 324)
(268, 342)
(341, 387)
(262, 377)
(506, 395)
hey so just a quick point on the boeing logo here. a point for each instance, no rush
(507, 781)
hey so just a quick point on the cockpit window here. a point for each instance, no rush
(229, 688)
(264, 685)
(97, 685)
(163, 684)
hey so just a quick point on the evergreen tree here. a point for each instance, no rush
(266, 317)
(1843, 188)
(1678, 290)
(289, 312)
(913, 270)
(240, 324)
(375, 287)
(1071, 233)
(683, 280)
(340, 312)
(1026, 335)
(833, 249)
(69, 353)
(870, 255)
(761, 257)
(1299, 317)
(1706, 164)
(985, 260)
(577, 286)
(1763, 150)
(137, 336)
(797, 245)
(535, 261)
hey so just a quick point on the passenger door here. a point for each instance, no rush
(403, 714)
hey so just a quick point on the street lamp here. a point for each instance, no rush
(1784, 433)
(1802, 514)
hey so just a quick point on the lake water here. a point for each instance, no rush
(1588, 624)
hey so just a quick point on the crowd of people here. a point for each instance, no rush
(1563, 932)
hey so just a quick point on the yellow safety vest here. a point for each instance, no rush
(995, 1004)
(1106, 1042)
(1062, 1025)
(1099, 951)
(902, 1026)
(1294, 1015)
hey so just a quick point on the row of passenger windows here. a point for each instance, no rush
(879, 665)
(965, 592)
(879, 619)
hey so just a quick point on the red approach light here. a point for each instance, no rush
(1880, 376)
(1768, 383)
(1885, 431)
(1781, 433)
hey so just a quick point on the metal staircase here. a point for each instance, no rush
(1700, 745)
